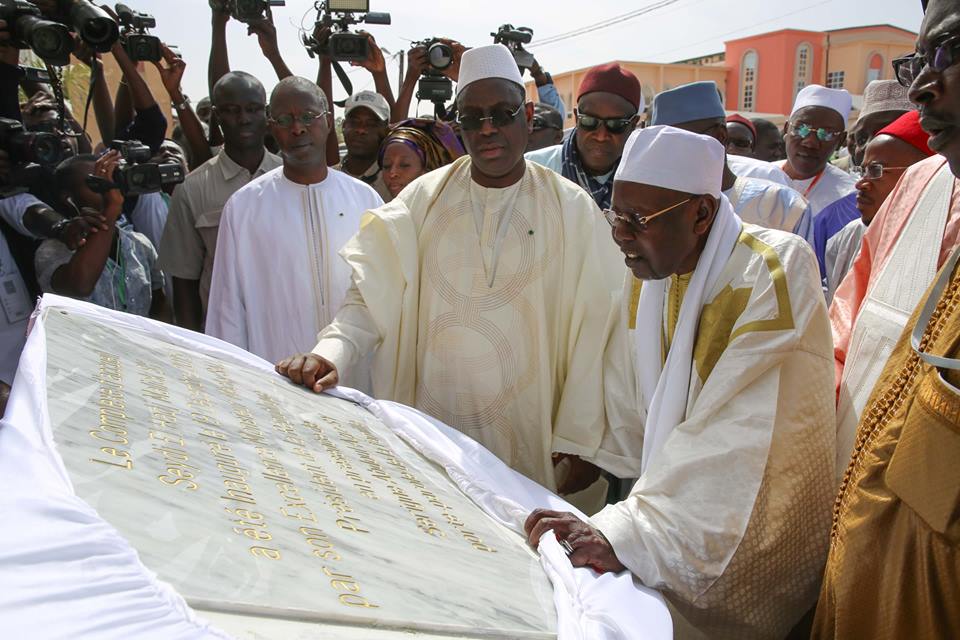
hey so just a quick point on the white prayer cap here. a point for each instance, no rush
(814, 95)
(672, 158)
(488, 61)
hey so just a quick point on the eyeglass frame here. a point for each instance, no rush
(638, 223)
(513, 118)
(949, 45)
(862, 171)
(793, 130)
(627, 121)
(305, 123)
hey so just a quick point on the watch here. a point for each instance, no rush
(57, 229)
(179, 106)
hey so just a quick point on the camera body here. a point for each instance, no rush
(246, 10)
(433, 85)
(33, 155)
(94, 26)
(344, 45)
(139, 45)
(136, 175)
(514, 39)
(51, 41)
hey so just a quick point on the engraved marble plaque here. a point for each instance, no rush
(252, 496)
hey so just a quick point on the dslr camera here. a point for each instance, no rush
(136, 175)
(51, 41)
(32, 154)
(433, 85)
(94, 26)
(138, 44)
(514, 39)
(344, 45)
(246, 10)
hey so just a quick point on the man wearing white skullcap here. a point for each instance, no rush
(719, 401)
(485, 291)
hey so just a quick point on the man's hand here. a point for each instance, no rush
(374, 62)
(310, 370)
(171, 73)
(75, 231)
(417, 61)
(590, 547)
(453, 71)
(47, 7)
(266, 34)
(579, 473)
(104, 168)
(220, 15)
(321, 35)
(83, 52)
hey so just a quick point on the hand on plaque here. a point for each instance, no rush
(573, 473)
(585, 545)
(310, 370)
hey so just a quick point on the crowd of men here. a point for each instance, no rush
(733, 345)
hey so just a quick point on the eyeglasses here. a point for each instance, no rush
(874, 171)
(944, 55)
(613, 125)
(498, 118)
(307, 119)
(803, 130)
(233, 110)
(739, 143)
(636, 222)
(541, 123)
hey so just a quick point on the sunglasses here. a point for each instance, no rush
(874, 171)
(613, 125)
(944, 55)
(498, 118)
(803, 130)
(540, 123)
(636, 222)
(307, 119)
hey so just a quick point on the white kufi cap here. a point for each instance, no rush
(488, 61)
(814, 95)
(672, 158)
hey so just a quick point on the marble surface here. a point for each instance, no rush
(255, 498)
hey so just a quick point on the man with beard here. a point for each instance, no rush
(608, 108)
(189, 241)
(277, 279)
(893, 570)
(485, 291)
(366, 116)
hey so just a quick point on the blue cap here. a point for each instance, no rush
(686, 103)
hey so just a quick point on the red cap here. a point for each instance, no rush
(745, 122)
(612, 78)
(907, 128)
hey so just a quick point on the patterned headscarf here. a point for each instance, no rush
(432, 140)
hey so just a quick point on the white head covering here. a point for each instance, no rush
(488, 61)
(814, 95)
(885, 95)
(672, 158)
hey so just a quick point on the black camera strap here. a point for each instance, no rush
(344, 81)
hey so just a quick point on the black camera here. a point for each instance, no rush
(514, 39)
(93, 24)
(246, 10)
(339, 15)
(136, 175)
(433, 85)
(29, 147)
(138, 44)
(51, 41)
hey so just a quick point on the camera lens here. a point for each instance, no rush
(46, 149)
(439, 55)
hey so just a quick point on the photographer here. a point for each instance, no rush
(546, 92)
(417, 63)
(366, 117)
(117, 269)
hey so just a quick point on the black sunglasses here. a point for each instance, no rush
(613, 125)
(944, 55)
(498, 118)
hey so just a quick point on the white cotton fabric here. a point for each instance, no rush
(815, 95)
(489, 61)
(665, 387)
(672, 158)
(65, 566)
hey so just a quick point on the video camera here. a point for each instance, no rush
(31, 154)
(51, 41)
(136, 175)
(514, 39)
(138, 44)
(246, 10)
(339, 15)
(94, 26)
(433, 85)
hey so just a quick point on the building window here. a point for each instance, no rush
(802, 67)
(874, 68)
(835, 80)
(748, 81)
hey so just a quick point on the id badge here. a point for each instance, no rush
(14, 298)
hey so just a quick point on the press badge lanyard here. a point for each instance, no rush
(813, 184)
(924, 319)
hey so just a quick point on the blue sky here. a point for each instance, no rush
(680, 30)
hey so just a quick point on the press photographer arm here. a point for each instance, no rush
(171, 73)
(149, 124)
(266, 33)
(9, 75)
(377, 67)
(416, 63)
(546, 91)
(321, 34)
(102, 102)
